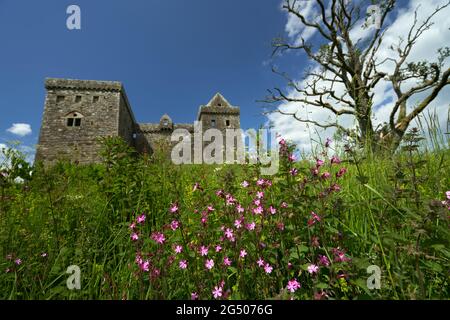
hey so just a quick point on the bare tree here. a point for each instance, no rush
(356, 66)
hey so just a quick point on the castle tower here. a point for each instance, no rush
(77, 113)
(219, 113)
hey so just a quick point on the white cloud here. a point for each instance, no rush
(425, 49)
(20, 129)
(295, 29)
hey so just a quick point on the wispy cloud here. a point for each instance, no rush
(20, 129)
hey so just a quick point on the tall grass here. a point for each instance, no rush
(388, 212)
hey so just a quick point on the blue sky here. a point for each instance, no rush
(171, 56)
(174, 55)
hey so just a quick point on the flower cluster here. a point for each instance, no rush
(245, 236)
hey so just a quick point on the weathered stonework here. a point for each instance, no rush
(78, 112)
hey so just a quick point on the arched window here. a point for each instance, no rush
(73, 119)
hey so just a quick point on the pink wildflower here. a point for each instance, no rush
(268, 268)
(245, 184)
(315, 218)
(134, 236)
(341, 172)
(203, 251)
(138, 259)
(145, 266)
(140, 219)
(230, 199)
(243, 253)
(293, 285)
(156, 273)
(272, 210)
(174, 225)
(238, 223)
(335, 187)
(339, 255)
(174, 207)
(183, 264)
(217, 292)
(258, 210)
(229, 234)
(335, 160)
(251, 226)
(260, 262)
(194, 296)
(323, 260)
(18, 261)
(209, 264)
(178, 249)
(325, 175)
(158, 237)
(319, 163)
(227, 261)
(312, 268)
(293, 172)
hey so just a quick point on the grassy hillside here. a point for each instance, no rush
(142, 228)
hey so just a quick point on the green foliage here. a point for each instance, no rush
(391, 212)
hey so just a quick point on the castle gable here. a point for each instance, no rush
(218, 101)
(218, 105)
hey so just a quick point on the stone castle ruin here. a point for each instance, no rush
(79, 112)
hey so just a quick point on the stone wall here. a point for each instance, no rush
(96, 103)
(126, 121)
(159, 138)
(79, 112)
